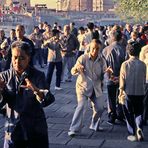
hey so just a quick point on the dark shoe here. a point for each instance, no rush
(121, 119)
(68, 80)
(41, 66)
(112, 117)
(111, 122)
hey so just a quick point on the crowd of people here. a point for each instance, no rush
(117, 53)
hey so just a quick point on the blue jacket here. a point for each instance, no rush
(115, 55)
(25, 117)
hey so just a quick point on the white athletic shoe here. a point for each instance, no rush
(57, 88)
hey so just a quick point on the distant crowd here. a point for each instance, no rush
(118, 54)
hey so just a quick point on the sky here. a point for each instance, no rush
(50, 3)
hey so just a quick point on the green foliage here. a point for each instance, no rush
(132, 10)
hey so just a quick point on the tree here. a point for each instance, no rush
(132, 10)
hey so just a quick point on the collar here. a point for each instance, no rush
(97, 59)
(133, 57)
(26, 72)
(114, 43)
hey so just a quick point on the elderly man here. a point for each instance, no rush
(70, 46)
(23, 92)
(20, 35)
(115, 56)
(132, 90)
(90, 69)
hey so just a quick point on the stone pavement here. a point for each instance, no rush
(59, 116)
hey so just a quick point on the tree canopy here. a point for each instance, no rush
(132, 10)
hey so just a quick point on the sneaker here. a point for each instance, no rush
(140, 135)
(71, 133)
(132, 138)
(99, 129)
(68, 80)
(57, 88)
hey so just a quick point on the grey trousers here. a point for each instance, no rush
(69, 63)
(97, 106)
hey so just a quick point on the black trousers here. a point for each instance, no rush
(133, 110)
(50, 71)
(145, 105)
(112, 101)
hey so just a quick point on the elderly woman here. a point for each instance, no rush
(23, 92)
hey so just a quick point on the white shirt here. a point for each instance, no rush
(81, 39)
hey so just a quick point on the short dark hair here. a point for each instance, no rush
(81, 28)
(90, 25)
(97, 41)
(95, 35)
(24, 46)
(35, 27)
(116, 35)
(55, 32)
(73, 23)
(145, 28)
(133, 48)
(13, 30)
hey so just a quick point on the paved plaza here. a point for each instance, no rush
(59, 116)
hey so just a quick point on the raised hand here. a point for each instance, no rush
(29, 85)
(109, 70)
(36, 91)
(80, 68)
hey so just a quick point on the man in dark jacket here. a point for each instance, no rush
(70, 45)
(23, 92)
(115, 56)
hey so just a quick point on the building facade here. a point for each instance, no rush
(81, 5)
(85, 5)
(103, 5)
(75, 5)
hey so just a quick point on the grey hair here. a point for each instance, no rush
(24, 46)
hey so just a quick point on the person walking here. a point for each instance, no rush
(132, 90)
(115, 56)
